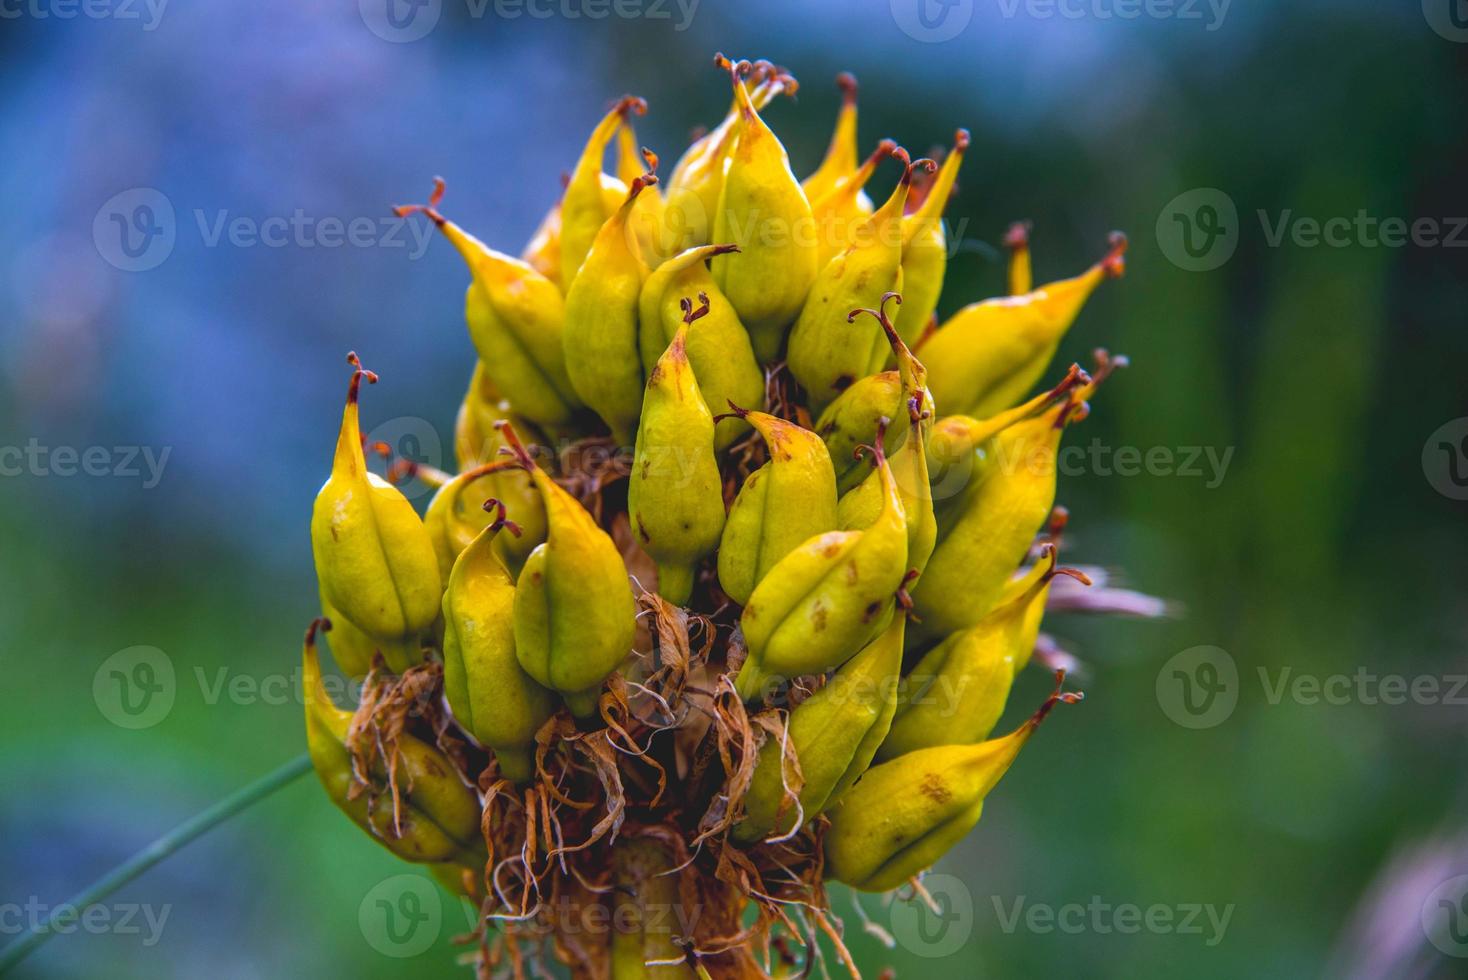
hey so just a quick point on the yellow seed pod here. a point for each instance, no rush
(648, 915)
(374, 558)
(989, 355)
(718, 345)
(543, 251)
(437, 816)
(646, 221)
(1017, 244)
(476, 443)
(492, 697)
(863, 504)
(957, 692)
(692, 194)
(584, 207)
(843, 209)
(925, 248)
(986, 530)
(840, 160)
(602, 357)
(833, 735)
(575, 616)
(763, 210)
(780, 506)
(830, 348)
(825, 600)
(904, 815)
(675, 497)
(515, 317)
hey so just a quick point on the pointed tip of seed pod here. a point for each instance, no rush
(1114, 264)
(640, 184)
(1056, 697)
(722, 249)
(430, 209)
(1017, 238)
(735, 412)
(650, 158)
(318, 625)
(925, 164)
(354, 387)
(496, 507)
(690, 313)
(516, 447)
(960, 140)
(630, 105)
(846, 82)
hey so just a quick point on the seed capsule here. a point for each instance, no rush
(833, 734)
(574, 612)
(839, 163)
(781, 505)
(374, 558)
(989, 355)
(825, 600)
(675, 498)
(925, 248)
(492, 697)
(763, 210)
(718, 345)
(515, 317)
(437, 817)
(904, 815)
(842, 211)
(585, 206)
(601, 322)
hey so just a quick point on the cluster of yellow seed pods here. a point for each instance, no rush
(743, 553)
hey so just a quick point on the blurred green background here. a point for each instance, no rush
(1325, 831)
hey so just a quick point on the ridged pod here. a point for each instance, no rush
(601, 343)
(648, 914)
(904, 815)
(985, 531)
(843, 209)
(957, 691)
(783, 504)
(491, 695)
(827, 599)
(989, 355)
(374, 558)
(718, 345)
(762, 210)
(437, 818)
(839, 163)
(575, 616)
(833, 735)
(829, 349)
(585, 206)
(675, 496)
(925, 248)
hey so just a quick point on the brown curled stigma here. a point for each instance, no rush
(318, 625)
(354, 387)
(690, 314)
(430, 209)
(496, 507)
(1056, 697)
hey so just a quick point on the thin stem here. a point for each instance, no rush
(155, 852)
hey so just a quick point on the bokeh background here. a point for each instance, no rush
(1328, 830)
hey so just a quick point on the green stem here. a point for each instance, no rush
(155, 852)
